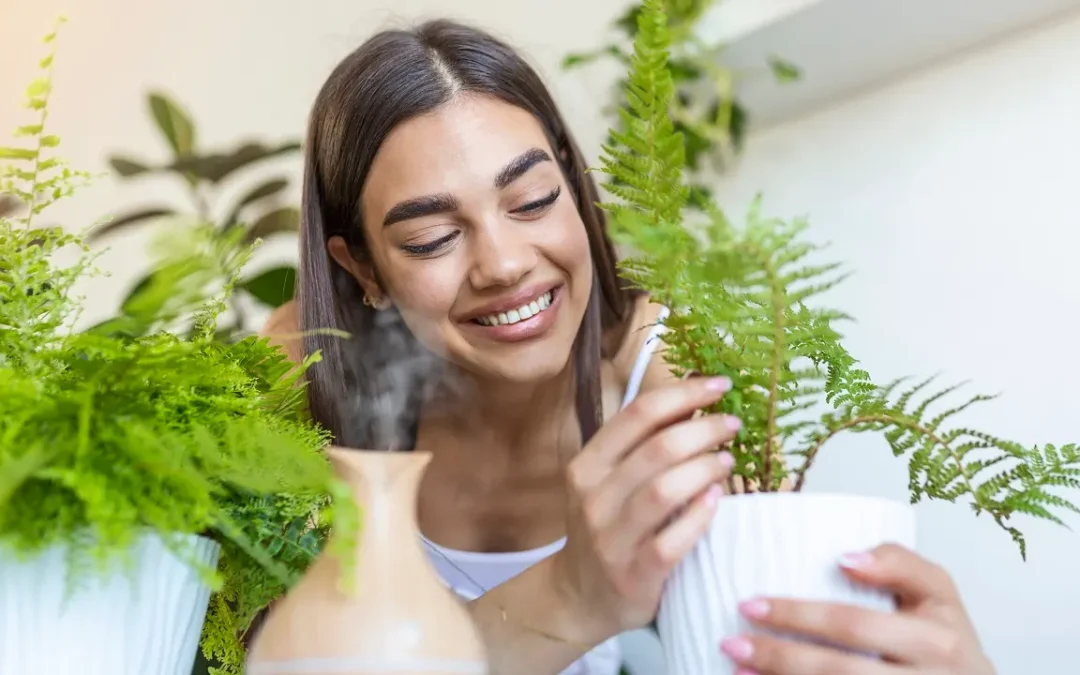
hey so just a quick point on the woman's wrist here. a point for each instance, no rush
(576, 613)
(535, 623)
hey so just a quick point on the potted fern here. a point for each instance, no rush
(744, 303)
(144, 476)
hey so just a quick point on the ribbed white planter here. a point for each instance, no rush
(777, 544)
(142, 621)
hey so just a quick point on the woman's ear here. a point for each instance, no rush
(364, 273)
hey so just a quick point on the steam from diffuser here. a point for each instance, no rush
(392, 376)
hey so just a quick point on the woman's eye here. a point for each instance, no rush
(539, 204)
(429, 247)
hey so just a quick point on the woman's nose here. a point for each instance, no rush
(502, 254)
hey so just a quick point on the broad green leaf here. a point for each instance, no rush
(127, 167)
(216, 167)
(17, 153)
(274, 287)
(136, 290)
(267, 189)
(129, 219)
(174, 124)
(784, 71)
(38, 88)
(286, 219)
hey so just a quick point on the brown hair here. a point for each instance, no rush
(392, 77)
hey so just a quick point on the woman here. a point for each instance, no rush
(450, 226)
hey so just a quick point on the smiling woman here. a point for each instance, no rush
(450, 227)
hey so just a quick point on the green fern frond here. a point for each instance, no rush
(744, 304)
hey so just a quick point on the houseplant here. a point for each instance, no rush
(704, 107)
(745, 304)
(209, 177)
(146, 468)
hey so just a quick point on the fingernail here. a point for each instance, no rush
(746, 671)
(738, 648)
(718, 384)
(726, 460)
(713, 495)
(733, 423)
(754, 609)
(856, 561)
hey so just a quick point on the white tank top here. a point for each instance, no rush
(471, 574)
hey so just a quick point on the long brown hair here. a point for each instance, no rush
(394, 76)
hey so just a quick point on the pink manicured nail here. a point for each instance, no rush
(726, 459)
(713, 495)
(737, 648)
(754, 609)
(719, 384)
(733, 423)
(856, 561)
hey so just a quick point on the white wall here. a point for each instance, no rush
(953, 195)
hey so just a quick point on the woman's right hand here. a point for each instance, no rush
(642, 493)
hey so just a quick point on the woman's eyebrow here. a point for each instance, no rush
(418, 207)
(519, 166)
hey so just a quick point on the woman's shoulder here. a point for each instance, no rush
(635, 346)
(282, 327)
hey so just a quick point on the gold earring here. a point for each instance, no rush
(375, 304)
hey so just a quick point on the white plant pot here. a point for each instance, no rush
(145, 620)
(779, 545)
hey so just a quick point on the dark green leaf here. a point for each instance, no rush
(740, 119)
(285, 219)
(267, 189)
(683, 70)
(273, 287)
(628, 22)
(174, 124)
(129, 219)
(127, 167)
(217, 166)
(784, 71)
(137, 289)
(580, 59)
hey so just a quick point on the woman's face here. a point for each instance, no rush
(477, 240)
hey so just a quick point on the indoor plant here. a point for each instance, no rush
(744, 304)
(207, 177)
(142, 473)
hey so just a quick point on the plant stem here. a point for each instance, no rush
(774, 372)
(34, 185)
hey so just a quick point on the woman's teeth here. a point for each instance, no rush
(520, 314)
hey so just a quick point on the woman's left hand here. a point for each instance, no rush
(930, 632)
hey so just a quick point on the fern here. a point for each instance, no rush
(744, 304)
(148, 422)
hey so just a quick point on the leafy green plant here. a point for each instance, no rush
(128, 427)
(742, 301)
(703, 107)
(204, 174)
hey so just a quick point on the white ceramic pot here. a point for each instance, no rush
(142, 620)
(776, 544)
